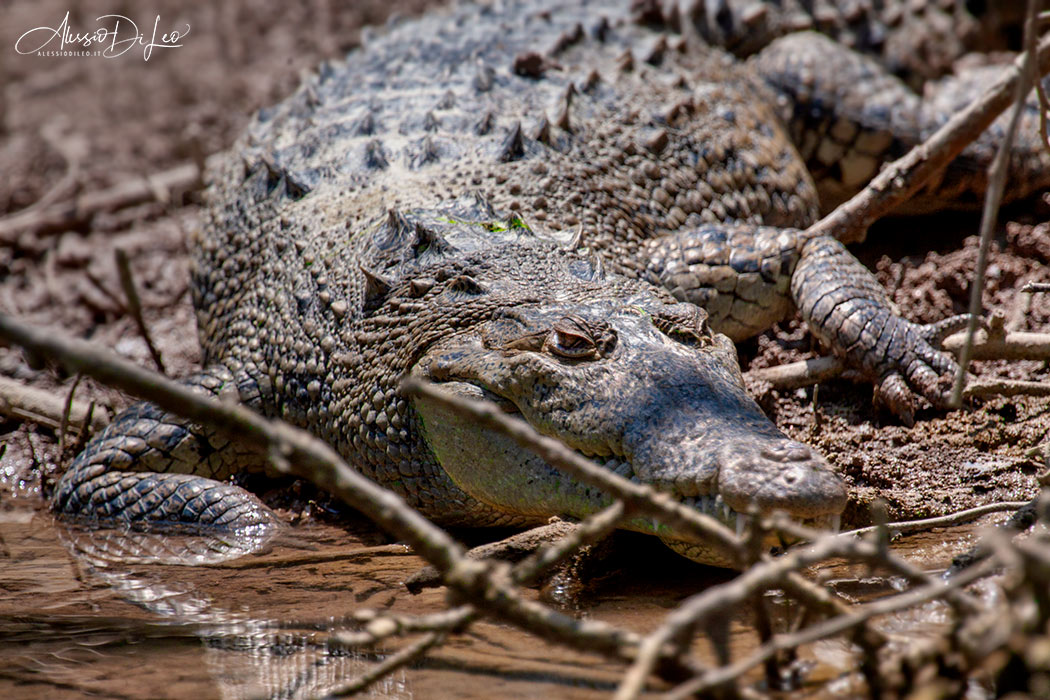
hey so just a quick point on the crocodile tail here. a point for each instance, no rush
(150, 468)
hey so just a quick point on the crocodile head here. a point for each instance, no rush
(641, 386)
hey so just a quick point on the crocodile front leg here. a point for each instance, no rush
(847, 309)
(749, 277)
(149, 466)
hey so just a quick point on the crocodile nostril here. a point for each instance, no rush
(788, 452)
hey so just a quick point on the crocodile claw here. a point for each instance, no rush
(922, 369)
(847, 309)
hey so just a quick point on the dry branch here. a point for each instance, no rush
(46, 408)
(992, 198)
(134, 305)
(1011, 346)
(899, 180)
(80, 209)
(957, 518)
(829, 628)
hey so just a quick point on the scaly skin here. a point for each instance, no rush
(399, 214)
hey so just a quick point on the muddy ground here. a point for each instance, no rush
(77, 125)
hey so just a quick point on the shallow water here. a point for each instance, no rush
(93, 613)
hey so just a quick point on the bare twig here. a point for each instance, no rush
(1007, 387)
(44, 407)
(65, 414)
(389, 664)
(828, 628)
(992, 198)
(1012, 346)
(81, 209)
(1033, 287)
(957, 518)
(134, 304)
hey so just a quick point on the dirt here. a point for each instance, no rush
(75, 125)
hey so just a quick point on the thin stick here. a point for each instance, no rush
(992, 198)
(1012, 346)
(389, 665)
(957, 518)
(1033, 287)
(828, 628)
(127, 282)
(65, 414)
(43, 407)
(899, 180)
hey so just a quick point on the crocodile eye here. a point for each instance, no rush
(571, 339)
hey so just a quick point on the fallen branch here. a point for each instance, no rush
(80, 210)
(1011, 346)
(1033, 287)
(45, 408)
(992, 199)
(957, 518)
(769, 573)
(899, 180)
(828, 628)
(134, 305)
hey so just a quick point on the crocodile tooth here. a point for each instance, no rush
(705, 504)
(726, 511)
(836, 522)
(741, 523)
(513, 146)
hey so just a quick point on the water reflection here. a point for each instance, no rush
(240, 654)
(142, 616)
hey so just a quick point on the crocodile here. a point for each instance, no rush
(572, 210)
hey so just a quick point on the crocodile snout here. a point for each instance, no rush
(779, 475)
